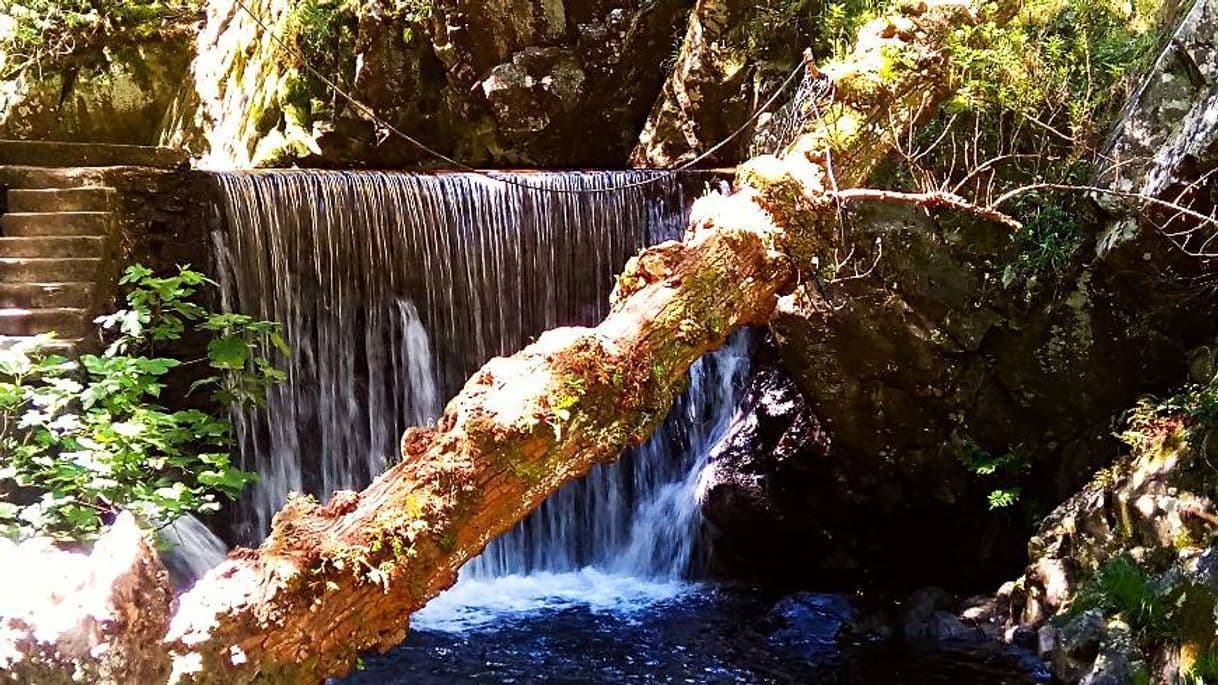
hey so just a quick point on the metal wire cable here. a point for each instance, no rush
(457, 164)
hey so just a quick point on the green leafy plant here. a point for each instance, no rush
(1124, 589)
(1204, 671)
(1005, 467)
(1170, 422)
(82, 439)
(1050, 237)
(1061, 62)
(839, 22)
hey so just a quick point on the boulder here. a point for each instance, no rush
(810, 623)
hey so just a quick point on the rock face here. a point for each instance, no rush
(1166, 139)
(925, 360)
(916, 373)
(514, 82)
(707, 94)
(555, 83)
(116, 94)
(1153, 508)
(733, 56)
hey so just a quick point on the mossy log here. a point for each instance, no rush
(338, 579)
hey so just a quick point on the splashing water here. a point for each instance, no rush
(393, 288)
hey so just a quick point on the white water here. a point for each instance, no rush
(479, 603)
(392, 288)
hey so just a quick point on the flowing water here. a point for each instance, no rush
(192, 550)
(393, 288)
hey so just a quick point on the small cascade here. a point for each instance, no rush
(654, 536)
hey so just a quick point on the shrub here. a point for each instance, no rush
(83, 439)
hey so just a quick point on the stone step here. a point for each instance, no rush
(65, 322)
(52, 246)
(45, 295)
(49, 177)
(90, 199)
(45, 153)
(18, 224)
(49, 270)
(66, 347)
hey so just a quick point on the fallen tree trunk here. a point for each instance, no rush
(337, 579)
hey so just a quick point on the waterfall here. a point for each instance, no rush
(392, 288)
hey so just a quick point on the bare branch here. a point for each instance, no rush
(930, 200)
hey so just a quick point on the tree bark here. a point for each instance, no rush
(338, 579)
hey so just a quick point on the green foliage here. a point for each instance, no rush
(1192, 412)
(1050, 237)
(324, 32)
(40, 33)
(1004, 468)
(83, 439)
(1062, 62)
(1197, 402)
(1204, 670)
(839, 23)
(1004, 497)
(1033, 101)
(775, 30)
(1122, 588)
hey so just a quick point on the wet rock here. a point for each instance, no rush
(1077, 645)
(930, 617)
(810, 623)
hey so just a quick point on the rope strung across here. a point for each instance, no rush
(461, 166)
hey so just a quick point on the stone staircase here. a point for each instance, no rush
(53, 246)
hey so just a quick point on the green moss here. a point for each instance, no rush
(448, 542)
